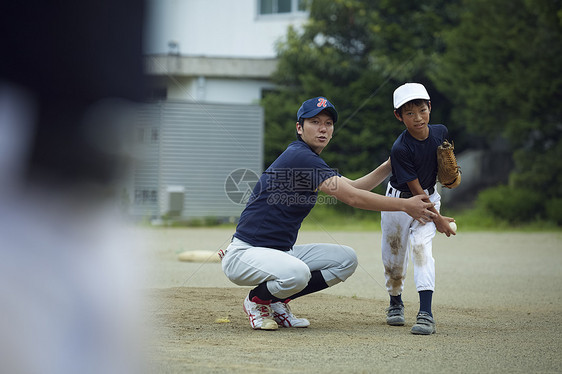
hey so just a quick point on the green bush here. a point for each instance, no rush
(515, 205)
(554, 210)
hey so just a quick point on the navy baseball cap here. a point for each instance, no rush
(312, 107)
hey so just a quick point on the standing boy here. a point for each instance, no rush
(414, 171)
(263, 253)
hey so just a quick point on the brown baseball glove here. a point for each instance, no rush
(448, 172)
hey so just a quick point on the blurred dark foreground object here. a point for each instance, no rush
(68, 55)
(70, 74)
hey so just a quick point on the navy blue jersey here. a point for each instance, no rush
(283, 197)
(416, 159)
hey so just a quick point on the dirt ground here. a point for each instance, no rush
(497, 304)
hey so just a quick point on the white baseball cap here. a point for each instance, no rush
(407, 92)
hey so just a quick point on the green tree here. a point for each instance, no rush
(502, 69)
(356, 53)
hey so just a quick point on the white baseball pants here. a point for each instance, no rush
(287, 273)
(402, 238)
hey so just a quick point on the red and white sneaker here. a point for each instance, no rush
(260, 315)
(285, 318)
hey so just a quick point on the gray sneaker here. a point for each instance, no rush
(395, 315)
(425, 324)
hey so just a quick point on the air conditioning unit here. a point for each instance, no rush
(174, 201)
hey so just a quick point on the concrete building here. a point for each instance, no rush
(218, 51)
(199, 143)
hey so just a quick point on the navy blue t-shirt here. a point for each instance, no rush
(411, 158)
(283, 197)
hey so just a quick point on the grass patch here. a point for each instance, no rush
(336, 218)
(476, 219)
(340, 218)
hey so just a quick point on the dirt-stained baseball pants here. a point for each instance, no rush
(287, 273)
(403, 237)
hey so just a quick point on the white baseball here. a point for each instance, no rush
(453, 226)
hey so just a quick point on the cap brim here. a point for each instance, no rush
(314, 112)
(409, 98)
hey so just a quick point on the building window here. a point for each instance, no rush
(147, 135)
(145, 197)
(154, 136)
(269, 7)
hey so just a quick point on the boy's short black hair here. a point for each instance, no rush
(416, 102)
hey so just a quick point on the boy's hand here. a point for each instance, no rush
(442, 225)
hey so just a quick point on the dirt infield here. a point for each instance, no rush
(497, 304)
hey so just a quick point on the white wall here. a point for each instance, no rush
(219, 28)
(234, 91)
(215, 90)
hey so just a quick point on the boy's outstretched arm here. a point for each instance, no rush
(374, 178)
